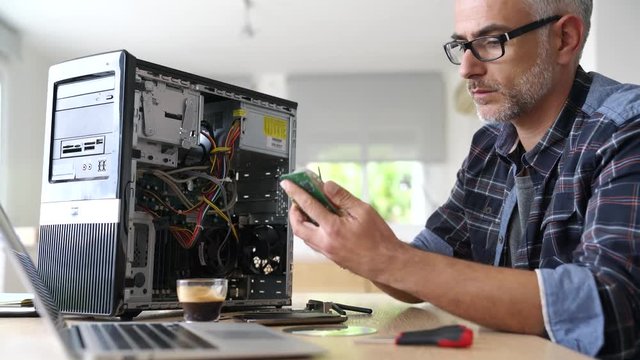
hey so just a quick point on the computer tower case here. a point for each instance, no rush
(152, 174)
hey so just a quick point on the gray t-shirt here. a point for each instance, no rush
(524, 193)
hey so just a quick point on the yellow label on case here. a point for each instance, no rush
(239, 113)
(275, 127)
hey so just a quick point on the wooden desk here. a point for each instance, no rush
(28, 338)
(391, 317)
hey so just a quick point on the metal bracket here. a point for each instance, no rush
(188, 132)
(150, 109)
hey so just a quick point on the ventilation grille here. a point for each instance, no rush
(77, 263)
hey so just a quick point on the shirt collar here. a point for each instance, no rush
(546, 153)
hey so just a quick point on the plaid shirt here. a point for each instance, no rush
(583, 231)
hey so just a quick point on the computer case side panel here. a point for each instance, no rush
(87, 143)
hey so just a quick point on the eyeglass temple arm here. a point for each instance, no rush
(530, 27)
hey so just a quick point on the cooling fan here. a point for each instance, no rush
(263, 249)
(215, 252)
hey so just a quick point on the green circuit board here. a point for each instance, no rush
(311, 183)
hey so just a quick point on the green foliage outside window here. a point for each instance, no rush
(388, 185)
(390, 189)
(347, 174)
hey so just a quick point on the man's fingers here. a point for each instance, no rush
(341, 198)
(296, 215)
(313, 208)
(299, 218)
(302, 227)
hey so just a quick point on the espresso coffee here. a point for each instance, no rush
(202, 299)
(201, 311)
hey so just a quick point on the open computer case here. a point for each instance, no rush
(153, 174)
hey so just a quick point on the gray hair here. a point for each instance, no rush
(581, 8)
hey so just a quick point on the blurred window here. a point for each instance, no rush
(393, 188)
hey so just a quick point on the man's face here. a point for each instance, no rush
(506, 88)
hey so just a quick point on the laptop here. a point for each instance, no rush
(157, 340)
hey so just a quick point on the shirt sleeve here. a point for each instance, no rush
(571, 308)
(610, 243)
(428, 241)
(448, 224)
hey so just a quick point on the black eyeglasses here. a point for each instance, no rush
(489, 48)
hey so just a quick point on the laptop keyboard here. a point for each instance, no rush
(147, 336)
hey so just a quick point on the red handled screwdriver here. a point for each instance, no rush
(458, 336)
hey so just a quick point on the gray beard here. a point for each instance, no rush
(528, 90)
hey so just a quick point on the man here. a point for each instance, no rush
(551, 184)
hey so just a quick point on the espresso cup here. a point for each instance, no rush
(201, 299)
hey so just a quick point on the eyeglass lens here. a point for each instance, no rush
(484, 48)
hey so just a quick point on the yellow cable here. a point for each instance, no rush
(222, 215)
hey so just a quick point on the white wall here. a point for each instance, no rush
(616, 28)
(24, 78)
(3, 115)
(369, 117)
(24, 107)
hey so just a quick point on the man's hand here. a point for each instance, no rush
(357, 239)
